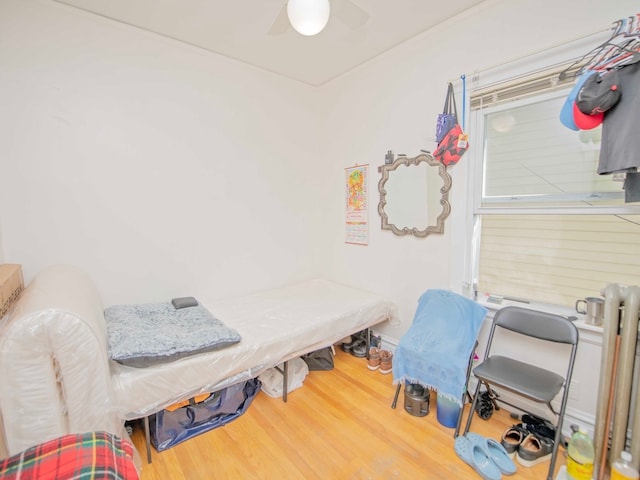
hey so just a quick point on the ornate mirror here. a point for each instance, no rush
(414, 196)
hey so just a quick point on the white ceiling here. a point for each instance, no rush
(240, 29)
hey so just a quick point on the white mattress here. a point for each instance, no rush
(275, 325)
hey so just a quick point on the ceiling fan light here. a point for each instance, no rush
(308, 17)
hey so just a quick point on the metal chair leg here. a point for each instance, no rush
(466, 391)
(395, 398)
(476, 394)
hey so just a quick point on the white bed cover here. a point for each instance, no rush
(275, 325)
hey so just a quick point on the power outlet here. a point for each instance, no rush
(574, 390)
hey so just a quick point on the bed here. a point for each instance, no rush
(58, 378)
(275, 326)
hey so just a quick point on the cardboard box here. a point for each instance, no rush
(11, 284)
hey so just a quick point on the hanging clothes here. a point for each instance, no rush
(618, 58)
(620, 147)
(622, 48)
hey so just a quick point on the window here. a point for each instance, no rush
(549, 228)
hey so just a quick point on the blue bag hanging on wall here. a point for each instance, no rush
(454, 142)
(449, 116)
(168, 429)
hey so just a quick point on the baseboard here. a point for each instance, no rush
(388, 343)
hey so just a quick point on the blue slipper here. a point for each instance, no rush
(477, 458)
(496, 452)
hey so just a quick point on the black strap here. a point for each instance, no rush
(447, 101)
(450, 102)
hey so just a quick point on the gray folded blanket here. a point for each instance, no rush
(147, 334)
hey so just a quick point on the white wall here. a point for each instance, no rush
(165, 170)
(162, 169)
(392, 102)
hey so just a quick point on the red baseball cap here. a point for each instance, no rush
(584, 121)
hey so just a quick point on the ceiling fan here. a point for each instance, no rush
(344, 10)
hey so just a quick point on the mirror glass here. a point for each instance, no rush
(414, 196)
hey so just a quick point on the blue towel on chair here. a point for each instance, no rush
(435, 351)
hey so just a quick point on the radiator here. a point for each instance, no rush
(617, 413)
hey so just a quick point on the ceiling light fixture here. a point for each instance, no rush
(308, 17)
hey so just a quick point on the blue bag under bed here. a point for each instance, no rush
(168, 429)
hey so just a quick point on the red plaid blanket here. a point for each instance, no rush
(88, 456)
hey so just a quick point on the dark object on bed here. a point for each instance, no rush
(184, 302)
(95, 455)
(153, 333)
(169, 428)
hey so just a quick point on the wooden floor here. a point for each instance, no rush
(339, 425)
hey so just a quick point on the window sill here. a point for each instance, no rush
(493, 307)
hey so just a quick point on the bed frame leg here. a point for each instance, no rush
(147, 438)
(285, 380)
(368, 341)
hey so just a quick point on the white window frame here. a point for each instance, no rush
(476, 210)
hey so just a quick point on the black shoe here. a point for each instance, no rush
(359, 349)
(346, 347)
(533, 420)
(545, 431)
(486, 404)
(539, 426)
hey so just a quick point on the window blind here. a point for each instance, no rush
(558, 259)
(549, 80)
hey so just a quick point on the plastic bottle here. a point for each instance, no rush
(580, 456)
(622, 469)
